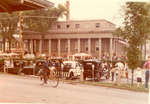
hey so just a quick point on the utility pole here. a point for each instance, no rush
(20, 28)
(68, 10)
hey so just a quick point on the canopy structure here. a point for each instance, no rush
(21, 5)
(82, 54)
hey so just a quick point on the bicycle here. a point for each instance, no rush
(52, 78)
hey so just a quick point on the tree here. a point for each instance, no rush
(41, 20)
(136, 31)
(8, 25)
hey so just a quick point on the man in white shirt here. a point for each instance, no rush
(119, 69)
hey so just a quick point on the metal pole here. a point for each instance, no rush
(93, 72)
(20, 33)
(145, 51)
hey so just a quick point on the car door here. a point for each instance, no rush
(78, 69)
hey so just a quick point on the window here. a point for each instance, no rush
(97, 25)
(97, 48)
(67, 26)
(58, 26)
(86, 49)
(77, 26)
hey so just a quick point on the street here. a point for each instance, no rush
(23, 89)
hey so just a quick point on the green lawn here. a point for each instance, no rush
(111, 85)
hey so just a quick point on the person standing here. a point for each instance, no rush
(46, 72)
(119, 68)
(127, 75)
(147, 71)
(112, 74)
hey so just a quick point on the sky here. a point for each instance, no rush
(96, 9)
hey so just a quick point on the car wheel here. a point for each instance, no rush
(71, 75)
(98, 77)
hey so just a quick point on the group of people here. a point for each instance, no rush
(140, 74)
(120, 70)
(106, 56)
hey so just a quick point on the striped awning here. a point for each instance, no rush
(21, 5)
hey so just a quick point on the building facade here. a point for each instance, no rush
(64, 38)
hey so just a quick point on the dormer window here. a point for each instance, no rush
(97, 25)
(58, 26)
(67, 26)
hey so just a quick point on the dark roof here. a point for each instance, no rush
(21, 5)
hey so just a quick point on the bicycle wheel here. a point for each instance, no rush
(54, 79)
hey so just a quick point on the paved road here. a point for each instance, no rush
(19, 89)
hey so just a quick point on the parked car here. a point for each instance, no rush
(17, 66)
(92, 69)
(73, 68)
(28, 67)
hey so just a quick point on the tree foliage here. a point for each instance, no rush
(40, 20)
(8, 25)
(136, 30)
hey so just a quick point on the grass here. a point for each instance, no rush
(112, 85)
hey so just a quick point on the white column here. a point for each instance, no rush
(23, 45)
(68, 46)
(89, 46)
(31, 46)
(79, 45)
(59, 48)
(34, 45)
(100, 47)
(2, 46)
(40, 47)
(49, 48)
(111, 49)
(28, 45)
(115, 50)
